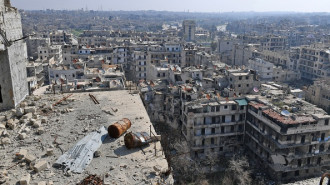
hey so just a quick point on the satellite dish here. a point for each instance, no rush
(194, 89)
(255, 89)
(285, 113)
(179, 69)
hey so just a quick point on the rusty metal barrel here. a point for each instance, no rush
(119, 128)
(134, 140)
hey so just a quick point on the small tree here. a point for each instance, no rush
(238, 171)
(212, 159)
(227, 180)
(187, 169)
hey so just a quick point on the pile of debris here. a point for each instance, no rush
(61, 139)
(28, 120)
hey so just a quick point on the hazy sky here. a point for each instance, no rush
(180, 5)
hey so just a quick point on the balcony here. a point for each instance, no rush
(217, 124)
(219, 135)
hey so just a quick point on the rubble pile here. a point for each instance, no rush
(42, 128)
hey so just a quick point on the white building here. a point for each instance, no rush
(64, 73)
(48, 52)
(263, 68)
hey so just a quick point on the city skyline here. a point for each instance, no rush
(180, 6)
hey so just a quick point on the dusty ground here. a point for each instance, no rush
(71, 121)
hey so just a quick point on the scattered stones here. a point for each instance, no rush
(32, 121)
(36, 124)
(47, 107)
(41, 130)
(5, 141)
(157, 168)
(19, 112)
(32, 104)
(22, 136)
(68, 173)
(4, 133)
(12, 123)
(112, 167)
(44, 120)
(42, 183)
(4, 177)
(21, 154)
(29, 158)
(50, 151)
(2, 118)
(36, 116)
(22, 164)
(50, 174)
(97, 153)
(67, 110)
(39, 166)
(23, 105)
(37, 98)
(25, 180)
(27, 130)
(27, 116)
(29, 110)
(13, 112)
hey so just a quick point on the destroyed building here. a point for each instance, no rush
(13, 58)
(213, 126)
(314, 61)
(319, 94)
(206, 91)
(283, 133)
(286, 136)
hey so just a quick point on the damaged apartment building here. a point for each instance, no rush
(197, 102)
(287, 136)
(13, 57)
(235, 111)
(213, 125)
(319, 93)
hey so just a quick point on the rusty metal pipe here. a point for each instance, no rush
(138, 139)
(96, 101)
(119, 128)
(63, 99)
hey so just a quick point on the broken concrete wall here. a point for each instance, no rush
(13, 78)
(6, 93)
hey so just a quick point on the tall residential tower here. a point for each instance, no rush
(189, 29)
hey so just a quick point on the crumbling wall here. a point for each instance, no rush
(5, 82)
(13, 78)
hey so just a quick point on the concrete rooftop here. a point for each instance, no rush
(71, 121)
